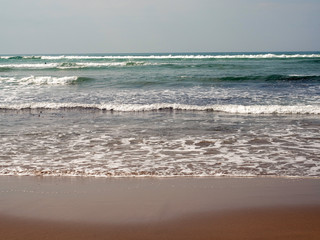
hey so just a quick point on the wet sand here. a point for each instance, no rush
(151, 208)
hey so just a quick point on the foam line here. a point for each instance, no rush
(234, 109)
(41, 80)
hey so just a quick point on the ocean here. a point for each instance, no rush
(160, 115)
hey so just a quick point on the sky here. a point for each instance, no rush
(140, 26)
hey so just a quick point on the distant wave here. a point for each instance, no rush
(170, 56)
(30, 65)
(70, 65)
(43, 80)
(234, 109)
(20, 57)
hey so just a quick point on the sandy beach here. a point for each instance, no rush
(160, 120)
(153, 208)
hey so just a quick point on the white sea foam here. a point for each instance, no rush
(90, 64)
(264, 147)
(7, 79)
(20, 57)
(268, 55)
(41, 80)
(233, 109)
(73, 65)
(30, 65)
(303, 75)
(105, 64)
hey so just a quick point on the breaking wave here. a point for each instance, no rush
(29, 66)
(20, 57)
(43, 80)
(233, 109)
(71, 65)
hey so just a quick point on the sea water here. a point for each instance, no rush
(162, 115)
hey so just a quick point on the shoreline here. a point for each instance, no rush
(153, 208)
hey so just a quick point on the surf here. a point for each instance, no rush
(233, 109)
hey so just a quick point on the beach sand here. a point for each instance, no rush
(159, 208)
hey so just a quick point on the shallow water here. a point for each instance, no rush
(162, 143)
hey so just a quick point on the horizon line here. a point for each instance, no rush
(136, 53)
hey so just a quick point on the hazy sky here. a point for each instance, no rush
(114, 26)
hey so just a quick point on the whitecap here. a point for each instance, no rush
(233, 109)
(40, 80)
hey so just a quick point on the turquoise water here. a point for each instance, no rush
(200, 114)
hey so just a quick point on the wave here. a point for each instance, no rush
(99, 65)
(251, 78)
(71, 65)
(170, 56)
(67, 80)
(20, 57)
(294, 77)
(30, 66)
(43, 80)
(233, 109)
(24, 57)
(269, 78)
(268, 55)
